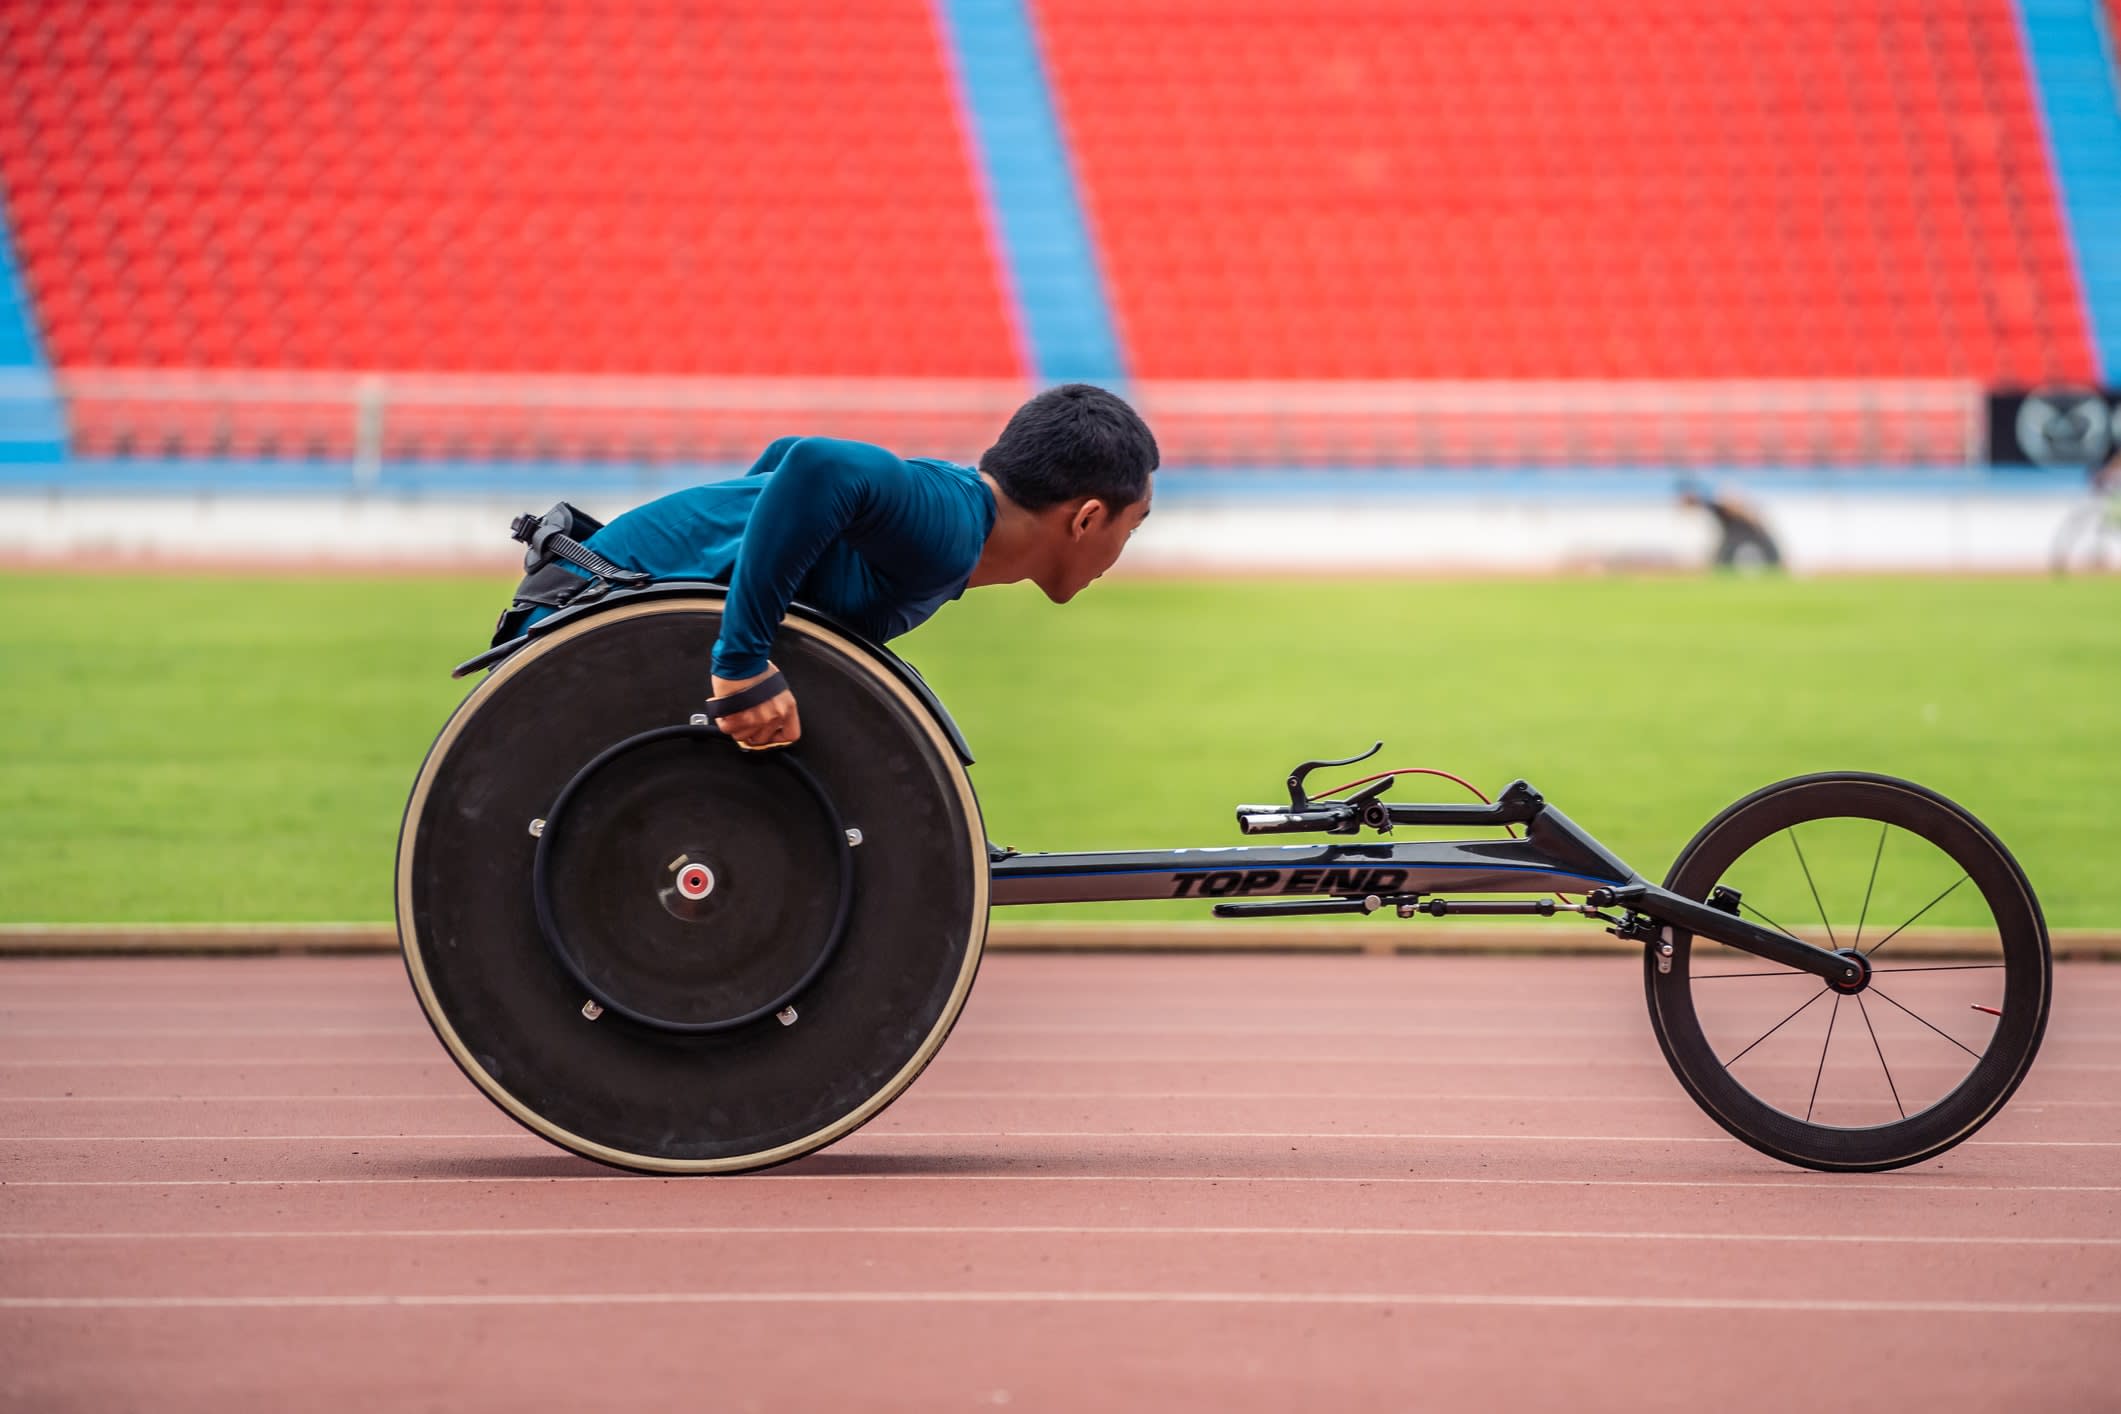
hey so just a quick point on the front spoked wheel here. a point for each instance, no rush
(1940, 1032)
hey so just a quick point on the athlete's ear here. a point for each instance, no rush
(1085, 518)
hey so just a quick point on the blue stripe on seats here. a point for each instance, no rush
(1023, 158)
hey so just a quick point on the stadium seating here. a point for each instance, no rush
(585, 187)
(1542, 189)
(1282, 196)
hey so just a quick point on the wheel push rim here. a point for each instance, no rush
(694, 884)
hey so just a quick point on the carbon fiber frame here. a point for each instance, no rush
(1555, 855)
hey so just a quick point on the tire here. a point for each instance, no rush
(1955, 1071)
(785, 938)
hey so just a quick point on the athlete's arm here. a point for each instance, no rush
(822, 490)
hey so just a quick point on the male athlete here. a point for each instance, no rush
(880, 542)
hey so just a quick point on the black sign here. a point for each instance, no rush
(2059, 425)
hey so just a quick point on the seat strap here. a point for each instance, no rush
(547, 539)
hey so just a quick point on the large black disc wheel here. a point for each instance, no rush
(1953, 1000)
(667, 954)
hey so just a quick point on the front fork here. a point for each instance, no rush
(1650, 908)
(1651, 914)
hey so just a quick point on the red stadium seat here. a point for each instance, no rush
(759, 168)
(1540, 189)
(1345, 190)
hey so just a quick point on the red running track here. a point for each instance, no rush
(1227, 1183)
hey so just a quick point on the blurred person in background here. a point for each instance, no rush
(2104, 479)
(877, 541)
(2090, 537)
(1742, 538)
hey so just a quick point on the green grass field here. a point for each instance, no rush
(229, 749)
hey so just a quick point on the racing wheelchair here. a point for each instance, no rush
(670, 955)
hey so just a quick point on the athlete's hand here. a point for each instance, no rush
(772, 723)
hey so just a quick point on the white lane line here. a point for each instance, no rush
(1247, 1033)
(965, 1057)
(1448, 1138)
(17, 1032)
(249, 1099)
(90, 1004)
(1298, 1017)
(961, 1059)
(1161, 1094)
(508, 1134)
(1101, 1298)
(1144, 1134)
(1825, 1183)
(1151, 1026)
(2021, 1106)
(1140, 1013)
(441, 1062)
(981, 1029)
(1034, 1230)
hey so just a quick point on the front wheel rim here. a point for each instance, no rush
(1928, 1050)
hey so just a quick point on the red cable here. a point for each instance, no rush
(1411, 771)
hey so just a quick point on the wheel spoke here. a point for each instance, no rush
(1770, 922)
(1918, 913)
(1955, 967)
(1773, 1029)
(1792, 833)
(1881, 1055)
(1820, 1074)
(1945, 1034)
(1876, 855)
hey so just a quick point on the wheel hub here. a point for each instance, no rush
(685, 884)
(1856, 978)
(646, 881)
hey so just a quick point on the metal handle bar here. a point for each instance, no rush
(1281, 820)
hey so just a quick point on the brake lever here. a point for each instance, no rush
(1300, 801)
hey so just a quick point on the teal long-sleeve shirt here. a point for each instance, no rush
(876, 541)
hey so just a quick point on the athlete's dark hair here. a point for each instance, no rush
(1073, 440)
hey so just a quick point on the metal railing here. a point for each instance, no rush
(368, 420)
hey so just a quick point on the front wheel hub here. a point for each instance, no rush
(1855, 977)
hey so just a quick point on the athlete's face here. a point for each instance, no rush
(1091, 534)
